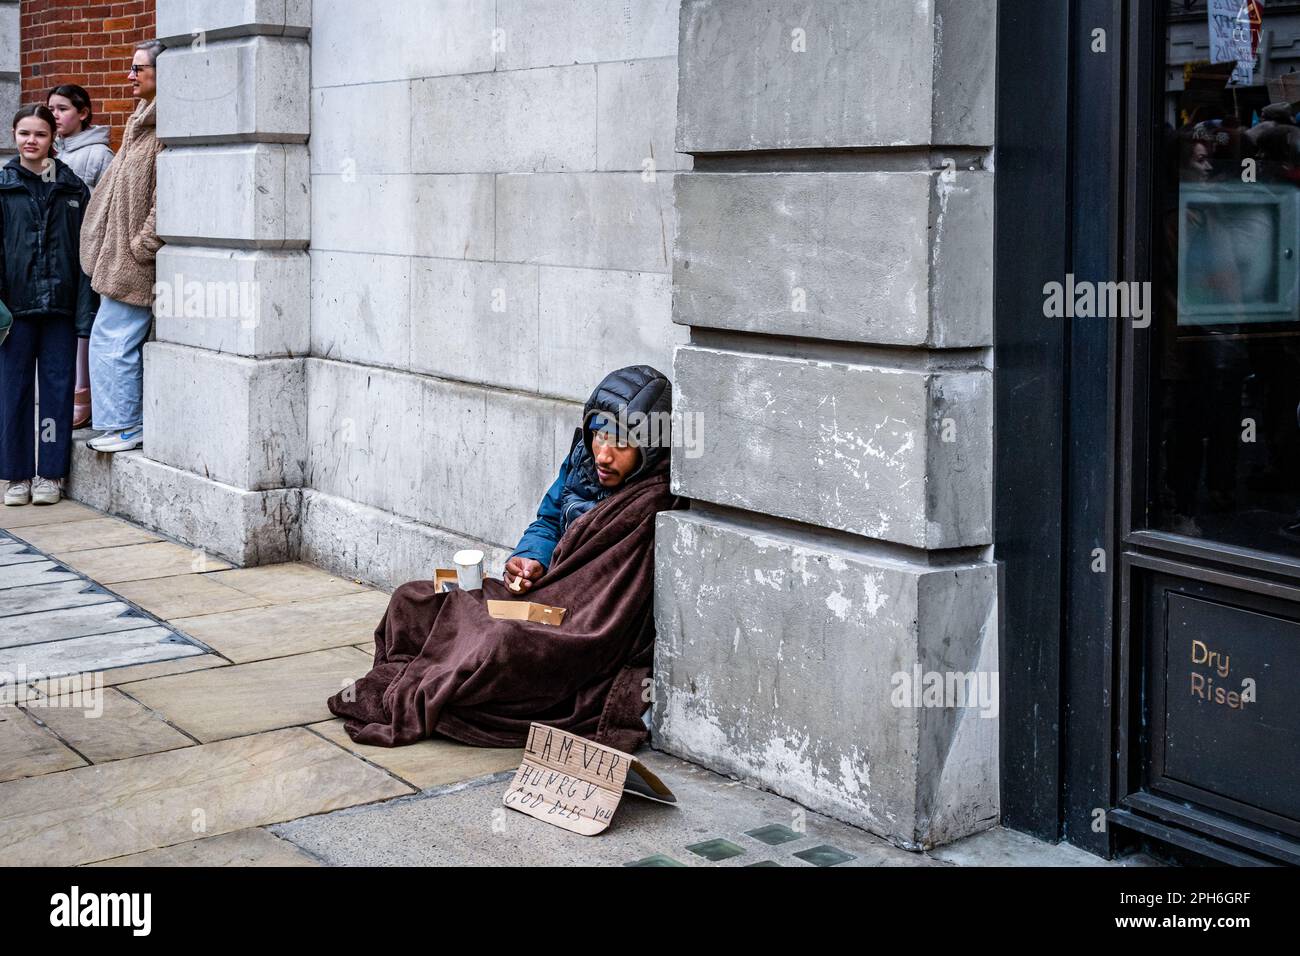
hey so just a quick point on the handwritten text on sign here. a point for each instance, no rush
(566, 780)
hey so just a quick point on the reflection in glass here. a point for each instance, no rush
(1226, 355)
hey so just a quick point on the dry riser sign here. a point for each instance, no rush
(576, 783)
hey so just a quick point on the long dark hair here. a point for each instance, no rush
(41, 112)
(79, 99)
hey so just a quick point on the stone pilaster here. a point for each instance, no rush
(225, 396)
(833, 259)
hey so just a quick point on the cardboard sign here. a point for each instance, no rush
(575, 783)
(525, 611)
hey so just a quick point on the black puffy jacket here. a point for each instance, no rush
(41, 244)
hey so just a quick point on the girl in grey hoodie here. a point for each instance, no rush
(81, 145)
(85, 148)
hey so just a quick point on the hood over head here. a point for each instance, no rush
(636, 404)
(90, 136)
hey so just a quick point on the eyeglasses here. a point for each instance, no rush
(137, 67)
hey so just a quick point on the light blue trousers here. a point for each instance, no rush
(117, 365)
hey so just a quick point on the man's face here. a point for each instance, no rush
(614, 462)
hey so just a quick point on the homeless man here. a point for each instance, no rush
(444, 667)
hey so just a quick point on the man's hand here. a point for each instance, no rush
(522, 573)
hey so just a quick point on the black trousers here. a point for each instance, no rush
(40, 349)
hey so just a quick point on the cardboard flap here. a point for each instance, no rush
(642, 782)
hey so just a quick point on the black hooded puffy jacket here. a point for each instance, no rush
(41, 272)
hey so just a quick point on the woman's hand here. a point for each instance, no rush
(521, 573)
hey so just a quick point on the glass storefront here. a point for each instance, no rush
(1225, 362)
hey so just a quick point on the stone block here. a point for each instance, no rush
(341, 536)
(346, 140)
(246, 527)
(559, 32)
(264, 190)
(636, 121)
(246, 302)
(894, 258)
(354, 43)
(181, 22)
(785, 74)
(595, 320)
(254, 89)
(451, 455)
(477, 322)
(804, 684)
(360, 307)
(596, 220)
(897, 454)
(523, 121)
(231, 419)
(446, 216)
(10, 38)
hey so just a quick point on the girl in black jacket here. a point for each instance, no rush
(42, 202)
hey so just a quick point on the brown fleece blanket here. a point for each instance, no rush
(444, 667)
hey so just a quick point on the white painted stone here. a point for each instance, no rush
(234, 420)
(559, 32)
(596, 220)
(340, 536)
(477, 322)
(489, 458)
(857, 448)
(897, 258)
(637, 116)
(98, 652)
(365, 435)
(525, 121)
(399, 39)
(250, 89)
(360, 307)
(187, 21)
(446, 216)
(247, 302)
(785, 658)
(10, 37)
(595, 320)
(246, 527)
(362, 129)
(264, 190)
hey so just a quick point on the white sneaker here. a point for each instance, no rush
(46, 491)
(118, 441)
(19, 492)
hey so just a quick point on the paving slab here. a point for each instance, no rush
(1002, 847)
(132, 673)
(19, 556)
(103, 724)
(63, 623)
(137, 562)
(98, 651)
(23, 516)
(285, 629)
(33, 573)
(247, 698)
(158, 800)
(68, 536)
(427, 763)
(294, 581)
(27, 749)
(255, 847)
(186, 595)
(466, 825)
(44, 597)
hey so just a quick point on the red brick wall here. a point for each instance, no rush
(73, 41)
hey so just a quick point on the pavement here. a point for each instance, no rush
(159, 707)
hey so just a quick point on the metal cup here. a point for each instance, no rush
(469, 569)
